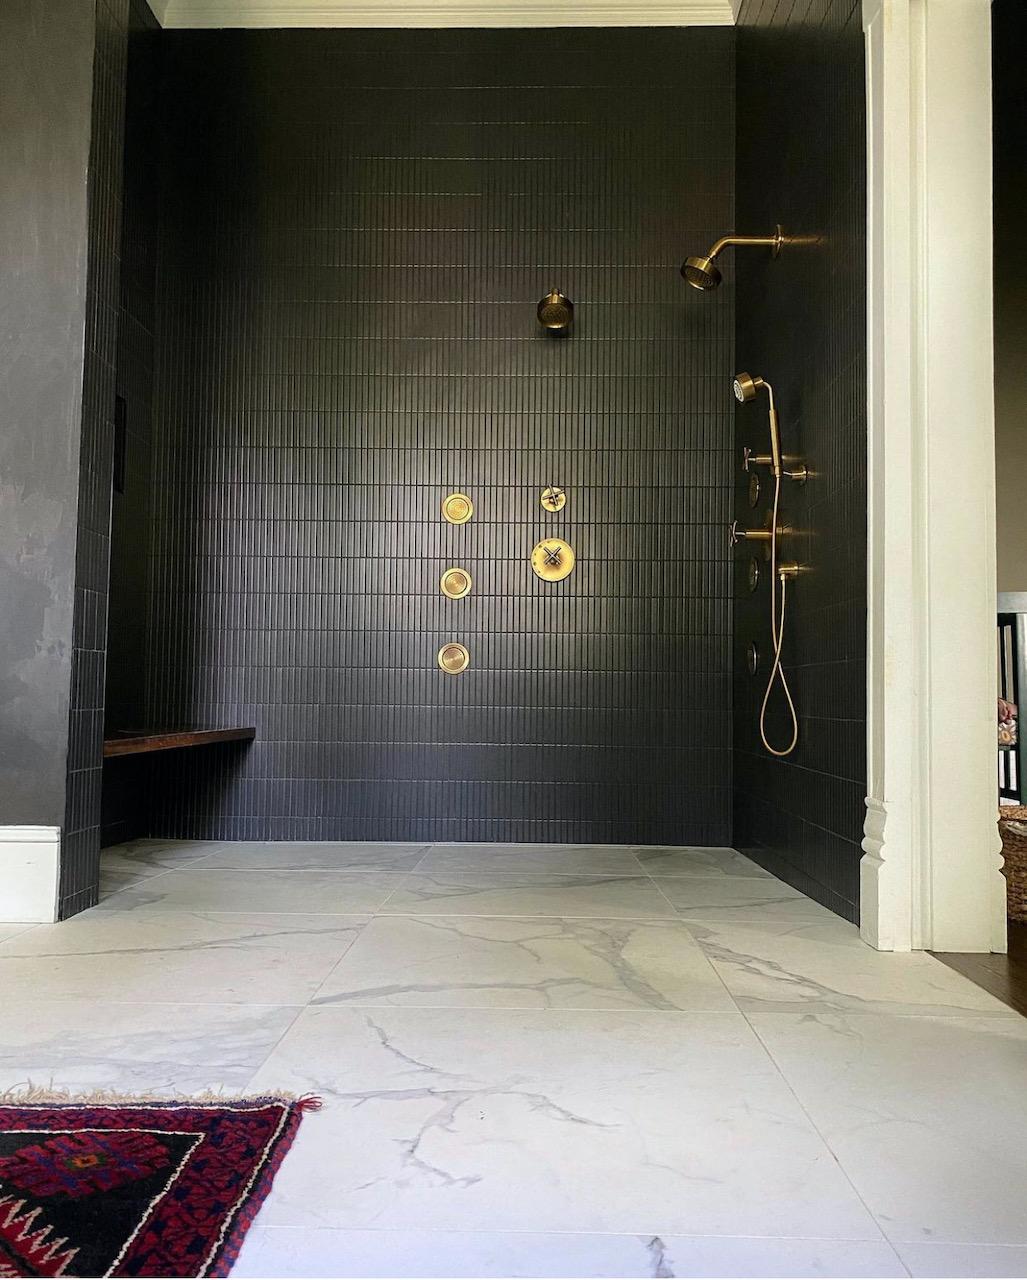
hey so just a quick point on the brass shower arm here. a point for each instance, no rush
(771, 242)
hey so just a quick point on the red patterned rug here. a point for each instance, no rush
(136, 1188)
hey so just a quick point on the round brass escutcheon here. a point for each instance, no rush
(552, 560)
(754, 573)
(453, 658)
(754, 489)
(458, 508)
(752, 658)
(553, 498)
(455, 583)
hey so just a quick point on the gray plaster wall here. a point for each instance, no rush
(46, 79)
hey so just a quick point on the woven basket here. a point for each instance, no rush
(1012, 825)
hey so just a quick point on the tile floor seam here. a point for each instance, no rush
(827, 1145)
(424, 853)
(359, 934)
(567, 1231)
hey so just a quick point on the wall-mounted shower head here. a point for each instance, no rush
(703, 272)
(555, 311)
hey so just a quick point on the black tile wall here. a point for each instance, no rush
(356, 229)
(801, 162)
(80, 849)
(125, 804)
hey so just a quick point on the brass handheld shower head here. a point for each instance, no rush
(745, 387)
(703, 272)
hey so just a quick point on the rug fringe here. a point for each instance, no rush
(29, 1093)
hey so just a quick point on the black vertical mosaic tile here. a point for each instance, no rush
(356, 227)
(801, 323)
(125, 806)
(80, 848)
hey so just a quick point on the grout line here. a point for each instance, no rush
(631, 1235)
(820, 1134)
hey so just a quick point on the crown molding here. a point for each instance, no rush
(443, 13)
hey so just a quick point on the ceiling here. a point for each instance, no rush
(444, 13)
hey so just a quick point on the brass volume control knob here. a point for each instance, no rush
(552, 559)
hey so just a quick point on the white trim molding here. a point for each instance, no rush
(930, 875)
(29, 868)
(443, 13)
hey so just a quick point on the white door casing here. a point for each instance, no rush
(930, 875)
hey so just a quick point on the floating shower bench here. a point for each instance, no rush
(132, 744)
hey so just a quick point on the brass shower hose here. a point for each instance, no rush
(777, 630)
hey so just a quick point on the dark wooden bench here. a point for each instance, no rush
(131, 743)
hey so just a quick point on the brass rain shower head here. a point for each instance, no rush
(703, 272)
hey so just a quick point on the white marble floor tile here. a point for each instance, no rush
(132, 863)
(727, 898)
(161, 855)
(463, 1255)
(556, 859)
(962, 1261)
(168, 1049)
(184, 957)
(493, 893)
(217, 890)
(542, 1121)
(316, 856)
(534, 963)
(697, 860)
(12, 930)
(926, 1115)
(826, 966)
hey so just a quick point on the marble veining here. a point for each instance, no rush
(694, 860)
(492, 893)
(83, 1045)
(265, 891)
(313, 1253)
(491, 1123)
(537, 1061)
(516, 859)
(315, 856)
(511, 963)
(198, 957)
(825, 966)
(731, 897)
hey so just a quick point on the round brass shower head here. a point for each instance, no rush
(702, 273)
(555, 311)
(744, 387)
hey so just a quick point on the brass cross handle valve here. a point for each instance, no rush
(752, 460)
(736, 535)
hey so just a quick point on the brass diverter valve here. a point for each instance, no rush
(736, 535)
(750, 461)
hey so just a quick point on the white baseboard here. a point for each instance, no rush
(30, 859)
